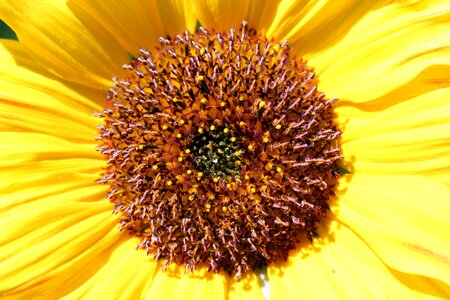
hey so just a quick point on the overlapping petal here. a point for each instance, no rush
(140, 23)
(221, 15)
(385, 50)
(403, 219)
(75, 47)
(175, 283)
(411, 137)
(124, 274)
(338, 265)
(46, 245)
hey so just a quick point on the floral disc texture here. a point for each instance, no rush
(220, 150)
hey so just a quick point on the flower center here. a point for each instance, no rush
(220, 150)
(217, 152)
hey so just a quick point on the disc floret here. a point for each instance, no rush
(220, 150)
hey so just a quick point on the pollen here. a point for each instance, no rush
(220, 150)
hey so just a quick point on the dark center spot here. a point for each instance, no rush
(217, 152)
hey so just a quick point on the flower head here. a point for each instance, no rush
(220, 150)
(211, 134)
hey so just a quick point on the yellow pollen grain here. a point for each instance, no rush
(155, 167)
(265, 140)
(216, 179)
(253, 190)
(262, 104)
(241, 123)
(189, 172)
(278, 126)
(179, 136)
(181, 122)
(169, 183)
(251, 147)
(200, 78)
(279, 170)
(187, 151)
(224, 208)
(238, 163)
(212, 127)
(164, 127)
(207, 205)
(191, 197)
(200, 130)
(203, 101)
(180, 159)
(222, 104)
(228, 186)
(226, 130)
(200, 174)
(233, 139)
(241, 98)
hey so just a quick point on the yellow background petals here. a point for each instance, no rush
(403, 219)
(75, 46)
(221, 15)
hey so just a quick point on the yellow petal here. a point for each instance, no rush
(247, 288)
(136, 24)
(54, 257)
(221, 15)
(432, 78)
(65, 40)
(308, 24)
(25, 147)
(337, 265)
(262, 13)
(27, 71)
(384, 50)
(176, 16)
(175, 284)
(38, 220)
(404, 219)
(126, 274)
(33, 181)
(33, 100)
(432, 288)
(411, 137)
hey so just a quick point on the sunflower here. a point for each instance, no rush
(224, 151)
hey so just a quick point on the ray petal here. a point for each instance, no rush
(404, 219)
(65, 40)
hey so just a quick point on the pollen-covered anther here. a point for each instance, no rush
(220, 150)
